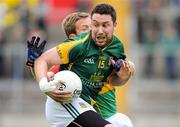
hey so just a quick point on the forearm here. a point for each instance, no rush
(47, 59)
(40, 68)
(115, 80)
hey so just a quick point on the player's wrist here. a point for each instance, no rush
(30, 63)
(46, 86)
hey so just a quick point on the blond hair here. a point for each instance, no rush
(68, 24)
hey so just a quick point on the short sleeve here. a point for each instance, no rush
(68, 52)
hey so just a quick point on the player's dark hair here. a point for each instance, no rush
(105, 9)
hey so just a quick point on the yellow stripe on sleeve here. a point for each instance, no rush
(64, 49)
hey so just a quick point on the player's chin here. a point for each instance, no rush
(101, 44)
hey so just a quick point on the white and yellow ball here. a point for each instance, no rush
(71, 82)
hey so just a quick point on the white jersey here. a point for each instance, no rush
(60, 115)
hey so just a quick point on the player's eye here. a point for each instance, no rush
(105, 25)
(95, 24)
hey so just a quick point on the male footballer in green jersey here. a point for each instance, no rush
(93, 55)
(74, 24)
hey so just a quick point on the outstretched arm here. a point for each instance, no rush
(49, 58)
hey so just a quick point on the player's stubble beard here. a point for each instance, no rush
(102, 40)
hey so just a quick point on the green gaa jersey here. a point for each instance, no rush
(93, 66)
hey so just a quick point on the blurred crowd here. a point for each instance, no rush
(157, 23)
(21, 19)
(18, 22)
(158, 34)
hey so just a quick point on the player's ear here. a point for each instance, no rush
(71, 36)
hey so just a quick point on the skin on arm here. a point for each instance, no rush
(123, 75)
(48, 58)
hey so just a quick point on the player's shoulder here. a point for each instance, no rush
(117, 48)
(82, 36)
(77, 41)
(117, 40)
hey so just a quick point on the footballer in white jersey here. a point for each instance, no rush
(60, 115)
